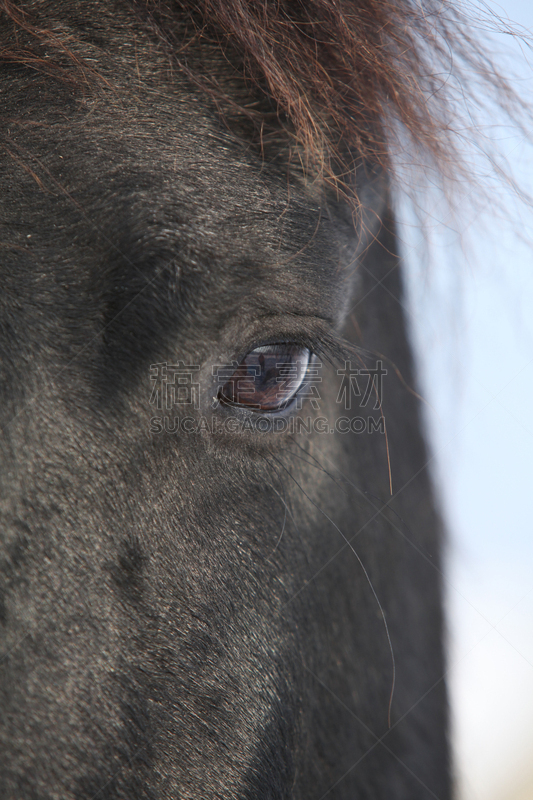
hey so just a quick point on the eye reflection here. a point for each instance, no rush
(268, 378)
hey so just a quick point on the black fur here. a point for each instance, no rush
(182, 615)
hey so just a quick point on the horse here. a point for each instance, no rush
(222, 555)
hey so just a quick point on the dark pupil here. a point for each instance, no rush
(267, 378)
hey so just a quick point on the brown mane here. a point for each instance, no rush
(337, 71)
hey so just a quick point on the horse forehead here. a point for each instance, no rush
(144, 134)
(144, 168)
(133, 155)
(109, 183)
(139, 110)
(160, 180)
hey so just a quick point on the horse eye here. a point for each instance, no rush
(268, 378)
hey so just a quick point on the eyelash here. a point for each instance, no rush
(269, 377)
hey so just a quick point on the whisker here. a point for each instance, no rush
(316, 465)
(287, 512)
(367, 577)
(283, 525)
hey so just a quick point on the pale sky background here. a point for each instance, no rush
(473, 328)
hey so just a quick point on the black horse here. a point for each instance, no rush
(221, 556)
